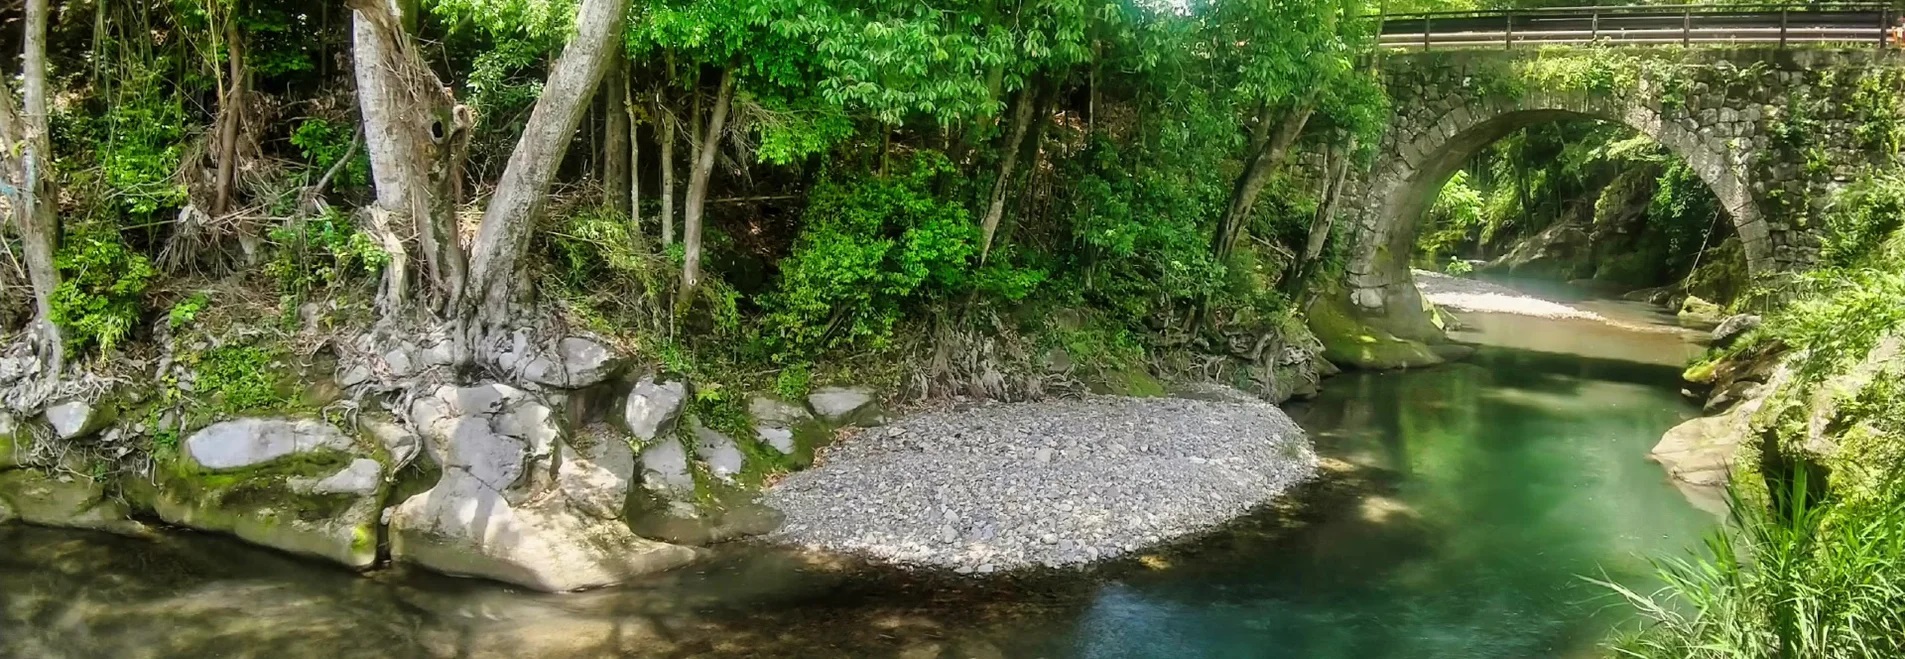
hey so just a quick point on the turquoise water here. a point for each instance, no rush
(1492, 487)
(1461, 507)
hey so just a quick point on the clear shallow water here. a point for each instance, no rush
(1460, 507)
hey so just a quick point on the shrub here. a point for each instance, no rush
(321, 252)
(323, 142)
(1850, 313)
(101, 282)
(868, 247)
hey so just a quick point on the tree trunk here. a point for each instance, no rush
(504, 237)
(1262, 162)
(31, 202)
(1032, 149)
(1335, 171)
(231, 110)
(634, 159)
(710, 146)
(995, 208)
(667, 175)
(615, 160)
(415, 134)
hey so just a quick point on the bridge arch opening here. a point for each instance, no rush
(1404, 189)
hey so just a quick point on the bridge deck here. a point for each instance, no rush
(1846, 23)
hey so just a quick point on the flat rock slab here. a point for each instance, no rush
(1053, 484)
(250, 442)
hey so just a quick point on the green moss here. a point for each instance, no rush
(1349, 341)
(1701, 372)
(363, 540)
(1130, 382)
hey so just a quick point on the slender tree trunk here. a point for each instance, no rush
(1335, 171)
(615, 160)
(231, 110)
(634, 158)
(495, 271)
(1032, 149)
(31, 203)
(710, 146)
(415, 134)
(1022, 113)
(1262, 162)
(667, 176)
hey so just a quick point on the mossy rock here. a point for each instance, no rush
(64, 500)
(1349, 341)
(280, 506)
(315, 498)
(1699, 313)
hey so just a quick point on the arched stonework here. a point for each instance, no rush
(1729, 105)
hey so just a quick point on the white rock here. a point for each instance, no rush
(719, 451)
(665, 468)
(574, 363)
(249, 442)
(354, 376)
(402, 445)
(653, 407)
(74, 418)
(782, 439)
(361, 478)
(399, 363)
(841, 404)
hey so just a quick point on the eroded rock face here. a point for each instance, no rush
(296, 485)
(514, 502)
(653, 407)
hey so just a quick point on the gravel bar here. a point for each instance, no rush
(1470, 295)
(1055, 483)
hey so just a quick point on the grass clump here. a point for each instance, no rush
(1802, 578)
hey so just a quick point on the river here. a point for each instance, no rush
(1461, 508)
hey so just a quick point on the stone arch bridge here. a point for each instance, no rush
(1773, 132)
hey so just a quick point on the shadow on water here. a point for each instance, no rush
(1457, 507)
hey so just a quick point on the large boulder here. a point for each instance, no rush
(507, 506)
(296, 485)
(652, 407)
(843, 406)
(65, 500)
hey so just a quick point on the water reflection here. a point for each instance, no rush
(1460, 506)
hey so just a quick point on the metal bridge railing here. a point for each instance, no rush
(1684, 25)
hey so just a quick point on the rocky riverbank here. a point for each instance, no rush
(1052, 484)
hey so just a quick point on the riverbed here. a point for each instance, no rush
(1460, 508)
